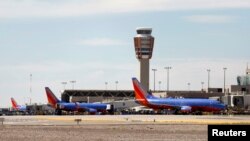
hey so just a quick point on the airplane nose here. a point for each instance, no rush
(222, 106)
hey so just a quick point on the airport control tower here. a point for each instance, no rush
(144, 44)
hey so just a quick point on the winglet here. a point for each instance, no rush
(140, 92)
(52, 99)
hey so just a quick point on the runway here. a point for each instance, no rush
(126, 119)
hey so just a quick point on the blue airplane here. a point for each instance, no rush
(184, 105)
(70, 106)
(15, 106)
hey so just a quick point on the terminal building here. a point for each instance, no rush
(240, 93)
(124, 99)
(243, 84)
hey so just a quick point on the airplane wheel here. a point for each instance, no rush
(58, 112)
(198, 113)
(176, 112)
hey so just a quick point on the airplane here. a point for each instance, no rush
(92, 108)
(182, 105)
(15, 106)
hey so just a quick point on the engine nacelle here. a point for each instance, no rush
(90, 110)
(186, 109)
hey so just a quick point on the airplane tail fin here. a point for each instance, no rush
(52, 99)
(14, 103)
(140, 92)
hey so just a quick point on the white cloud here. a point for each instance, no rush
(63, 8)
(101, 42)
(209, 18)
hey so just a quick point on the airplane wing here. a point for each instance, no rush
(162, 106)
(84, 108)
(166, 106)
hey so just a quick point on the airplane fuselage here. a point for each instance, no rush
(194, 104)
(21, 108)
(91, 107)
(71, 106)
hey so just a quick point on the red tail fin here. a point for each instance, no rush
(140, 92)
(52, 99)
(14, 103)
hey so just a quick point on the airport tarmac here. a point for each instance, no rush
(113, 127)
(126, 119)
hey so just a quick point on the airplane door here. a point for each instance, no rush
(57, 106)
(181, 102)
(210, 104)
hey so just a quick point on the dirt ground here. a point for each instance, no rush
(104, 132)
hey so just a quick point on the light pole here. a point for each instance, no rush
(116, 83)
(30, 84)
(159, 85)
(30, 87)
(106, 85)
(73, 81)
(64, 84)
(208, 79)
(225, 80)
(202, 83)
(168, 68)
(154, 70)
(29, 98)
(188, 86)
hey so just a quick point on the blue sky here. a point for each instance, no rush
(91, 42)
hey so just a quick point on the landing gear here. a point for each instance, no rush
(197, 113)
(58, 112)
(111, 110)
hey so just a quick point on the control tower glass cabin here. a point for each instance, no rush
(144, 44)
